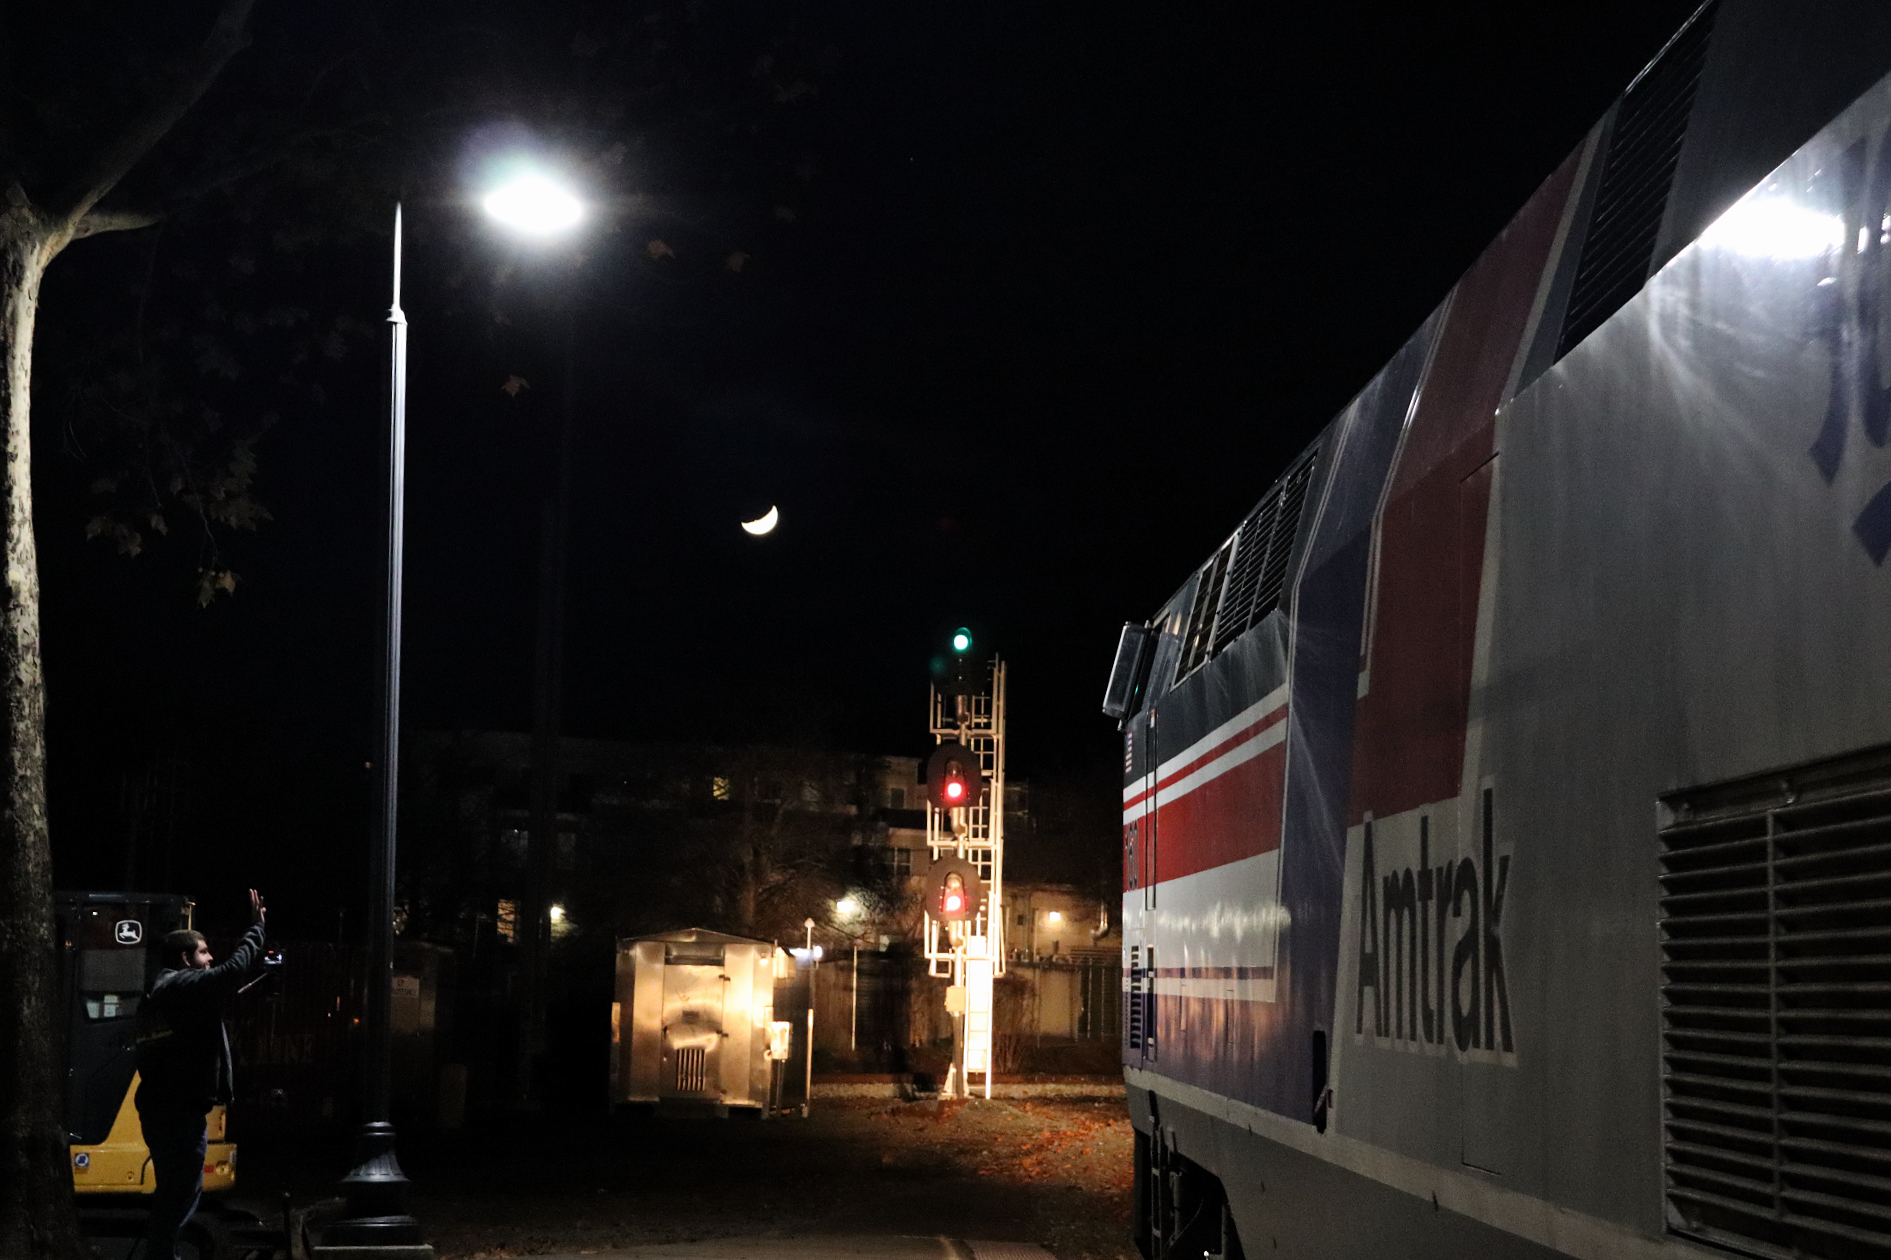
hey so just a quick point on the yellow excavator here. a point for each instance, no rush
(108, 958)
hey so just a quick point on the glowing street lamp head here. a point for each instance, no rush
(847, 906)
(534, 205)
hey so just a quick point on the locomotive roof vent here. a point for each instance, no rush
(1246, 580)
(1776, 1011)
(1644, 147)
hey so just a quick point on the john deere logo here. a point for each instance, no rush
(128, 932)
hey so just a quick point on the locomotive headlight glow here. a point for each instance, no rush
(1775, 227)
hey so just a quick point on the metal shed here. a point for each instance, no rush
(693, 1024)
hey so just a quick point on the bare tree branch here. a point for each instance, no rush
(97, 221)
(115, 159)
(261, 158)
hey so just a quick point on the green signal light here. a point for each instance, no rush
(961, 640)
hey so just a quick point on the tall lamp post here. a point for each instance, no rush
(377, 1224)
(376, 1189)
(535, 206)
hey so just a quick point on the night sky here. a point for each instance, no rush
(1073, 283)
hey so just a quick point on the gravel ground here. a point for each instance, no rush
(1055, 1172)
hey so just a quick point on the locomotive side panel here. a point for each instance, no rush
(1529, 602)
(1403, 1046)
(1694, 512)
(1693, 590)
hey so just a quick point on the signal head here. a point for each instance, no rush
(954, 778)
(956, 890)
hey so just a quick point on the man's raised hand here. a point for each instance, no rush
(257, 910)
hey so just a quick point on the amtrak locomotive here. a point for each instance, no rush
(1507, 800)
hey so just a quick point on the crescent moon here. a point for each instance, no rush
(763, 523)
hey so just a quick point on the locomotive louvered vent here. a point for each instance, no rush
(1132, 1009)
(692, 1070)
(1261, 551)
(1776, 1013)
(1637, 172)
(1201, 618)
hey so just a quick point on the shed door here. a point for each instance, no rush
(692, 1031)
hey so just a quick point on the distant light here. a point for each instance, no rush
(558, 914)
(961, 640)
(1054, 917)
(847, 906)
(535, 205)
(1774, 227)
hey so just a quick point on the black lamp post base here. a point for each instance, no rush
(377, 1226)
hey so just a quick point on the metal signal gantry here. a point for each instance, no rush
(964, 935)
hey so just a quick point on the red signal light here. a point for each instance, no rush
(953, 777)
(956, 891)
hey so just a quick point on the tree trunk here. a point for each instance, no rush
(36, 1215)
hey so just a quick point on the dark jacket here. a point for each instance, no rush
(183, 1050)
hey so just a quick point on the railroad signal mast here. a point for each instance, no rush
(965, 837)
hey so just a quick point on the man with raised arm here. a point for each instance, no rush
(184, 1068)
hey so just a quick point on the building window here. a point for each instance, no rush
(719, 787)
(506, 920)
(896, 798)
(902, 862)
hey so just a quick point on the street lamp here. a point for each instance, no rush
(534, 204)
(531, 203)
(375, 1188)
